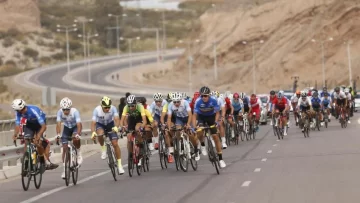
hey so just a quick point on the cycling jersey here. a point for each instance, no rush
(255, 104)
(68, 120)
(348, 96)
(221, 102)
(193, 102)
(155, 109)
(138, 112)
(294, 99)
(33, 115)
(149, 117)
(227, 103)
(322, 94)
(99, 116)
(304, 104)
(315, 102)
(181, 111)
(280, 103)
(340, 95)
(326, 101)
(246, 102)
(208, 108)
(237, 105)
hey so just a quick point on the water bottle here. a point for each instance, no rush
(33, 157)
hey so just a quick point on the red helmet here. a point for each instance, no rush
(236, 96)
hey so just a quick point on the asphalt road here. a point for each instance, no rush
(322, 168)
(53, 78)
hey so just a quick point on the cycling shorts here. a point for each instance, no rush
(108, 129)
(67, 134)
(209, 120)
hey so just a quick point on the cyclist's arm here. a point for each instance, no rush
(78, 122)
(41, 121)
(143, 116)
(93, 123)
(116, 116)
(187, 107)
(163, 113)
(123, 116)
(17, 124)
(169, 115)
(58, 122)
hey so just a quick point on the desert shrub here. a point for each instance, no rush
(59, 56)
(3, 87)
(13, 32)
(11, 63)
(30, 53)
(40, 42)
(45, 60)
(8, 42)
(8, 70)
(16, 56)
(25, 42)
(73, 45)
(47, 35)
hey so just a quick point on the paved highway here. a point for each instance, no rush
(322, 168)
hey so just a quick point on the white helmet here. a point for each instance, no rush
(65, 103)
(221, 96)
(18, 104)
(227, 93)
(176, 96)
(230, 96)
(183, 94)
(304, 94)
(346, 90)
(242, 95)
(158, 96)
(131, 99)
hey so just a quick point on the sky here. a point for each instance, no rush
(151, 4)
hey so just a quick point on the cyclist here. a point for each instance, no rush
(237, 105)
(315, 103)
(193, 100)
(135, 118)
(280, 103)
(106, 119)
(35, 125)
(340, 100)
(72, 126)
(269, 104)
(183, 117)
(326, 104)
(255, 105)
(207, 111)
(164, 118)
(323, 92)
(349, 103)
(304, 105)
(150, 125)
(226, 113)
(155, 110)
(294, 100)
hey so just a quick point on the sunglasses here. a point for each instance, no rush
(66, 109)
(176, 102)
(205, 95)
(158, 101)
(131, 105)
(106, 107)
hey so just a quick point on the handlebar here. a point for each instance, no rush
(204, 128)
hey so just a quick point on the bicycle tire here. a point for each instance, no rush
(212, 156)
(137, 159)
(184, 157)
(130, 166)
(254, 131)
(193, 162)
(318, 122)
(176, 154)
(144, 155)
(26, 160)
(75, 169)
(161, 151)
(228, 134)
(38, 168)
(67, 167)
(111, 161)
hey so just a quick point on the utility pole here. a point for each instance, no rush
(296, 79)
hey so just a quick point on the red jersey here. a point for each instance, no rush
(227, 103)
(255, 104)
(280, 103)
(192, 103)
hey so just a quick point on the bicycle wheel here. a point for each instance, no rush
(144, 155)
(212, 156)
(67, 167)
(26, 171)
(317, 122)
(228, 134)
(111, 161)
(254, 130)
(306, 122)
(176, 154)
(130, 165)
(161, 151)
(184, 158)
(137, 160)
(193, 162)
(75, 168)
(38, 167)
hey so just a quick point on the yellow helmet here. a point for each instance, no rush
(105, 101)
(217, 93)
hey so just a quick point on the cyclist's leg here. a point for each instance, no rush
(210, 120)
(222, 131)
(100, 132)
(155, 131)
(200, 134)
(114, 141)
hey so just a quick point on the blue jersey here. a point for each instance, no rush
(325, 101)
(246, 102)
(207, 108)
(237, 105)
(315, 102)
(33, 114)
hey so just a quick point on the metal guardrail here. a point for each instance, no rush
(7, 125)
(10, 155)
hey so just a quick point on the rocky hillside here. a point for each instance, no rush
(287, 28)
(23, 15)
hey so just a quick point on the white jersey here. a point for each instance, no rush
(155, 109)
(181, 111)
(348, 96)
(294, 99)
(221, 102)
(101, 117)
(341, 95)
(68, 120)
(303, 103)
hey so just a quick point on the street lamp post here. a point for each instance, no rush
(117, 30)
(349, 62)
(88, 37)
(323, 58)
(215, 61)
(190, 61)
(130, 54)
(67, 29)
(83, 22)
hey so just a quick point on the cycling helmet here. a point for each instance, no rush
(65, 103)
(212, 93)
(346, 90)
(205, 90)
(131, 99)
(217, 94)
(236, 96)
(176, 96)
(18, 104)
(280, 94)
(324, 89)
(298, 92)
(326, 94)
(315, 94)
(230, 96)
(221, 96)
(304, 94)
(142, 100)
(227, 93)
(158, 97)
(183, 95)
(337, 89)
(272, 92)
(242, 95)
(105, 101)
(253, 95)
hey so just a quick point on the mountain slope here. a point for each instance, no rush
(287, 28)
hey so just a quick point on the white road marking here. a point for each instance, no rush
(277, 140)
(269, 151)
(246, 184)
(257, 170)
(45, 194)
(264, 159)
(358, 120)
(274, 145)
